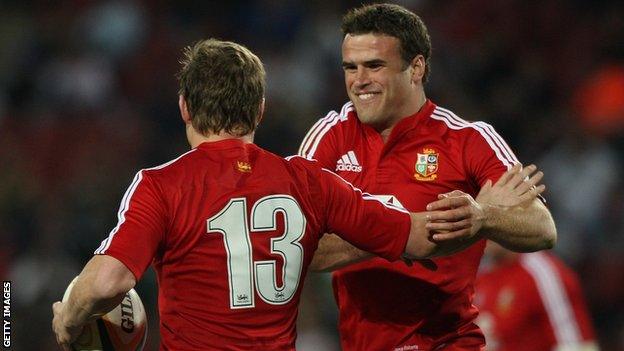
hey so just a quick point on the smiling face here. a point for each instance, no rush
(383, 87)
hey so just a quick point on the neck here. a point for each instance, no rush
(195, 138)
(419, 103)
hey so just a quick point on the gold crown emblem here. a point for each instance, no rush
(243, 166)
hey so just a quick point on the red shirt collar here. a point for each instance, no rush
(405, 124)
(222, 144)
(410, 122)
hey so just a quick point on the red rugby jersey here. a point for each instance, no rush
(385, 305)
(231, 229)
(533, 303)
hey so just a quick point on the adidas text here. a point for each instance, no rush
(348, 168)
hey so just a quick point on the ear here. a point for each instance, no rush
(261, 112)
(418, 68)
(186, 116)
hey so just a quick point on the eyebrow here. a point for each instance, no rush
(365, 63)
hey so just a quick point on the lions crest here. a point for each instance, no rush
(426, 165)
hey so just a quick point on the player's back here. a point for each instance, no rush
(231, 230)
(237, 228)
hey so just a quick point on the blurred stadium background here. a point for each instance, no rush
(88, 97)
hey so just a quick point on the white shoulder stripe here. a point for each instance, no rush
(486, 131)
(318, 134)
(490, 142)
(554, 297)
(125, 202)
(499, 141)
(121, 218)
(170, 162)
(491, 137)
(344, 111)
(314, 130)
(319, 129)
(289, 158)
(490, 131)
(367, 196)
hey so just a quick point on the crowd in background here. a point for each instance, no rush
(88, 96)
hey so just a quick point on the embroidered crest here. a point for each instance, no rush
(243, 166)
(426, 165)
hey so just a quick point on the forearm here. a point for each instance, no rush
(100, 287)
(520, 229)
(334, 253)
(421, 244)
(449, 247)
(84, 305)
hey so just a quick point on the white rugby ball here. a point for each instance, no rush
(122, 329)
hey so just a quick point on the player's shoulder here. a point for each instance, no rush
(172, 168)
(451, 122)
(336, 118)
(476, 133)
(302, 163)
(343, 114)
(334, 123)
(308, 171)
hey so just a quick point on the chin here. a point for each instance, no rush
(363, 116)
(366, 115)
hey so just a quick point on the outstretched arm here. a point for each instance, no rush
(455, 222)
(100, 287)
(333, 252)
(511, 214)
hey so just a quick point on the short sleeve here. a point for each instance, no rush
(141, 226)
(487, 155)
(361, 219)
(320, 143)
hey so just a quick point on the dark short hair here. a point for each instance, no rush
(395, 21)
(223, 84)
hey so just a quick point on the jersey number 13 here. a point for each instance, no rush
(243, 272)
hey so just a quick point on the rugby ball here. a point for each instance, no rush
(122, 329)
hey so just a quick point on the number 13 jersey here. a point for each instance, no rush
(230, 230)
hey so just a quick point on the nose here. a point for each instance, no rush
(361, 76)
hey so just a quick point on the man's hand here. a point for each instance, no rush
(462, 219)
(65, 335)
(514, 188)
(465, 216)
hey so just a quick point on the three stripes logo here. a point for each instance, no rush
(349, 163)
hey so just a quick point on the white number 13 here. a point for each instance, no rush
(232, 222)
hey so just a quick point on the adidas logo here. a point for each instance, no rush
(348, 163)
